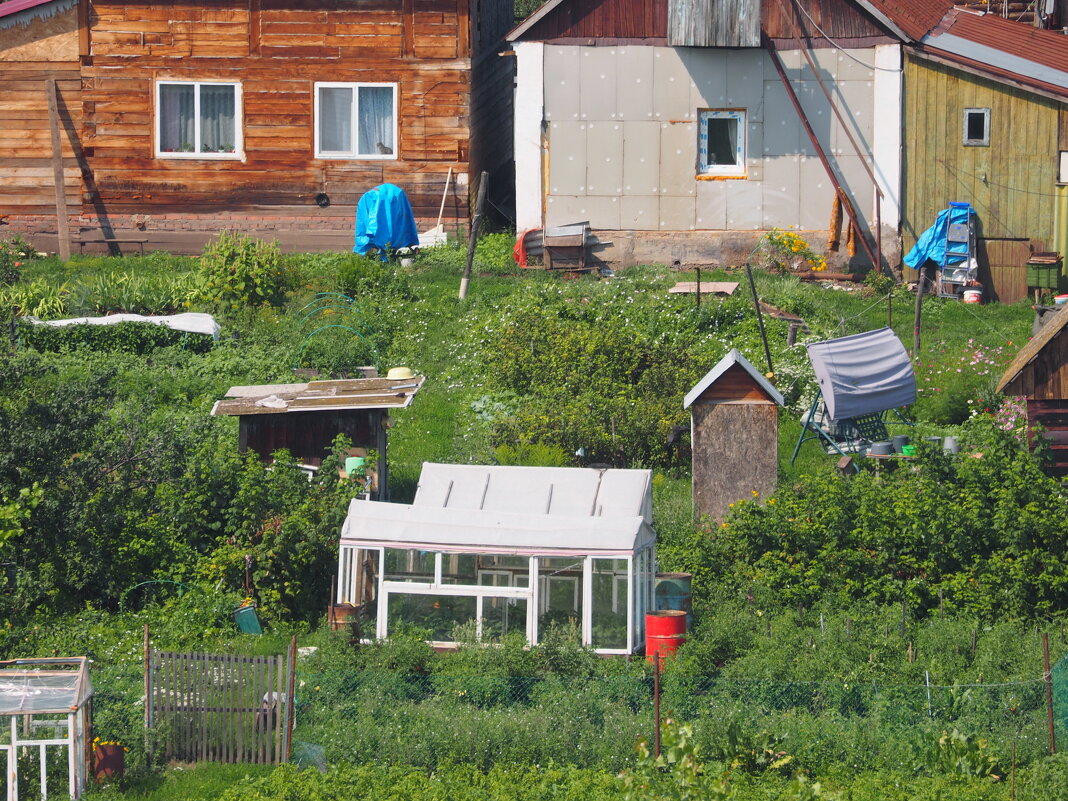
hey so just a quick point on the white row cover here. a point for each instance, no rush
(377, 524)
(192, 322)
(537, 491)
(863, 373)
(26, 689)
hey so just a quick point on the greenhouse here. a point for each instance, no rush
(485, 551)
(44, 723)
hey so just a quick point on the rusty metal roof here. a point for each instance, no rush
(353, 393)
(914, 18)
(9, 7)
(1030, 54)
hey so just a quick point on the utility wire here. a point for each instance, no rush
(839, 47)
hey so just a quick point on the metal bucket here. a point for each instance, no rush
(673, 593)
(665, 632)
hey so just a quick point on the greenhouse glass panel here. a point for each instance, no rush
(405, 565)
(502, 616)
(559, 591)
(609, 589)
(436, 614)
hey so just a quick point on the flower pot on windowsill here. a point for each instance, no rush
(109, 762)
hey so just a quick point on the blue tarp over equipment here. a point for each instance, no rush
(932, 242)
(384, 221)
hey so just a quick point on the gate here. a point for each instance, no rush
(221, 708)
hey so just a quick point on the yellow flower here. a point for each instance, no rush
(755, 493)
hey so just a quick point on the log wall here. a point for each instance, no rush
(277, 50)
(34, 46)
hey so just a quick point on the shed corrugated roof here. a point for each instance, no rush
(1029, 351)
(1028, 52)
(9, 7)
(915, 18)
(352, 393)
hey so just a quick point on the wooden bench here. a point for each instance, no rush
(111, 240)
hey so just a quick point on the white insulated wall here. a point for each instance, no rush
(622, 137)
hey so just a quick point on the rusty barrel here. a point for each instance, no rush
(665, 632)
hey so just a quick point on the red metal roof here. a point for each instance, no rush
(1048, 48)
(915, 18)
(9, 7)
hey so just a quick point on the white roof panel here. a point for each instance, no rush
(565, 491)
(377, 524)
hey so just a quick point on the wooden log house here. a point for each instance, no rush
(181, 118)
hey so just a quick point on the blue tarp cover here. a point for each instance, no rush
(384, 220)
(932, 242)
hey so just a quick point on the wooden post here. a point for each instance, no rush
(472, 239)
(918, 313)
(290, 707)
(1049, 692)
(62, 224)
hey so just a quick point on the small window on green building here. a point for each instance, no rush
(976, 127)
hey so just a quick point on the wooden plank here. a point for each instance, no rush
(62, 220)
(280, 715)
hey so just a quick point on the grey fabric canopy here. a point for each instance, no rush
(863, 373)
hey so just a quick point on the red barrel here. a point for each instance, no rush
(665, 632)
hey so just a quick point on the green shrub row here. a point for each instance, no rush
(127, 337)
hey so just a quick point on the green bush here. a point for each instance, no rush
(237, 271)
(14, 253)
(127, 337)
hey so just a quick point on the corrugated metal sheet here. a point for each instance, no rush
(355, 393)
(714, 23)
(840, 20)
(14, 6)
(914, 17)
(1031, 52)
(595, 19)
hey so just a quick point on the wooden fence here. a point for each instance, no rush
(224, 708)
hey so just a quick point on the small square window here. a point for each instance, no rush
(356, 120)
(976, 127)
(721, 142)
(197, 119)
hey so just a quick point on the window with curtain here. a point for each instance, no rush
(198, 120)
(721, 142)
(356, 120)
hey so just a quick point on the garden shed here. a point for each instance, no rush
(305, 418)
(734, 428)
(506, 549)
(44, 720)
(1039, 373)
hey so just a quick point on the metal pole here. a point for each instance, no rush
(1049, 692)
(760, 317)
(472, 238)
(656, 700)
(699, 287)
(818, 146)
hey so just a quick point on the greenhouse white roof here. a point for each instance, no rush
(395, 525)
(512, 510)
(44, 686)
(863, 373)
(552, 491)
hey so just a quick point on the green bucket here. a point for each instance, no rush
(247, 620)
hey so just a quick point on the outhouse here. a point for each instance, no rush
(505, 549)
(734, 431)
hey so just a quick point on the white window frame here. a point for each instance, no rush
(736, 170)
(239, 132)
(353, 155)
(985, 140)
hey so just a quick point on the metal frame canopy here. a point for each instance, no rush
(47, 706)
(863, 374)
